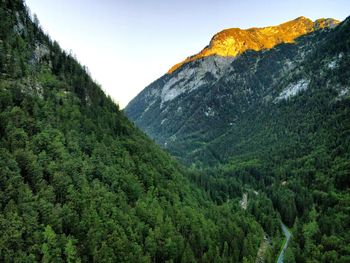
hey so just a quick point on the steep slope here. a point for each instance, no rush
(186, 110)
(79, 183)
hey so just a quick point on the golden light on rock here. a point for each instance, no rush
(234, 41)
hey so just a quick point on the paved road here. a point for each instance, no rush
(283, 251)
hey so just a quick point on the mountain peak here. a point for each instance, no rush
(234, 41)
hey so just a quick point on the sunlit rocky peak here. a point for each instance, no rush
(234, 41)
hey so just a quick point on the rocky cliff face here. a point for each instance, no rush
(215, 106)
(234, 41)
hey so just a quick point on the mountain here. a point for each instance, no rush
(277, 119)
(80, 183)
(210, 100)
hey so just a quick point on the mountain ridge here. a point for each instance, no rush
(234, 41)
(209, 95)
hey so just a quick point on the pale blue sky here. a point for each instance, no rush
(127, 44)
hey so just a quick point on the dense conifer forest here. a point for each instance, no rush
(80, 183)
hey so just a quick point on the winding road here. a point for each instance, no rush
(287, 234)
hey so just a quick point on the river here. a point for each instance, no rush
(283, 251)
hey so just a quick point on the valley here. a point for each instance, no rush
(239, 153)
(274, 119)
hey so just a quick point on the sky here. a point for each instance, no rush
(127, 44)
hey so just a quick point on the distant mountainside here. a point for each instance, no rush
(213, 107)
(279, 116)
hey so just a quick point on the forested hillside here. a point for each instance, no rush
(79, 183)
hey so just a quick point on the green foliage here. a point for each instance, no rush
(79, 183)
